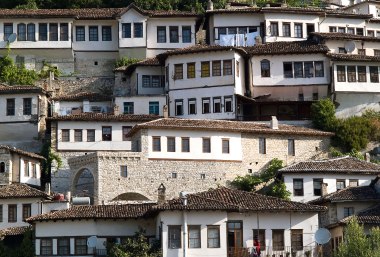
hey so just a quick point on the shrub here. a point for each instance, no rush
(126, 61)
(353, 133)
(323, 114)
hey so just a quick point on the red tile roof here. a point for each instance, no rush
(362, 193)
(353, 57)
(343, 36)
(284, 47)
(228, 126)
(344, 165)
(147, 62)
(21, 152)
(5, 89)
(14, 231)
(21, 191)
(105, 117)
(91, 96)
(369, 216)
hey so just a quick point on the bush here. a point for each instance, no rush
(126, 61)
(323, 114)
(353, 133)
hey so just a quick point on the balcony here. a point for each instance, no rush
(307, 251)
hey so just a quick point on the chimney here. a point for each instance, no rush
(161, 194)
(367, 157)
(324, 189)
(210, 5)
(116, 110)
(166, 111)
(274, 123)
(258, 40)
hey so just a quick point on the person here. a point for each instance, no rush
(256, 244)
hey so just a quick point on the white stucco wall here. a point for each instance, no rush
(132, 16)
(65, 107)
(19, 116)
(328, 21)
(141, 103)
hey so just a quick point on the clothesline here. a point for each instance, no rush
(238, 39)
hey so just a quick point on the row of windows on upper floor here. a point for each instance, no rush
(46, 31)
(298, 185)
(11, 106)
(63, 246)
(205, 69)
(12, 212)
(90, 134)
(307, 69)
(217, 105)
(129, 108)
(353, 73)
(298, 31)
(30, 169)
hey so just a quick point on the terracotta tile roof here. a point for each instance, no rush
(284, 47)
(199, 49)
(126, 211)
(14, 231)
(91, 96)
(105, 117)
(345, 165)
(362, 193)
(368, 216)
(21, 152)
(235, 200)
(230, 126)
(5, 89)
(343, 36)
(20, 191)
(353, 57)
(147, 62)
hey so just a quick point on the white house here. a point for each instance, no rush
(219, 222)
(309, 180)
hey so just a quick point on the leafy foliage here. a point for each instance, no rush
(50, 157)
(30, 4)
(136, 246)
(323, 115)
(276, 188)
(126, 61)
(354, 153)
(26, 248)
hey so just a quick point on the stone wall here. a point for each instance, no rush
(6, 177)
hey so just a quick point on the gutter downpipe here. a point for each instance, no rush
(184, 202)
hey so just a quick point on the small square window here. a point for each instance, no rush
(124, 171)
(107, 133)
(203, 176)
(298, 187)
(174, 174)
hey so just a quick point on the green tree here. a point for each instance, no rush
(27, 249)
(353, 133)
(323, 114)
(30, 4)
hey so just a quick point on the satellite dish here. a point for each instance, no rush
(12, 38)
(322, 236)
(350, 46)
(91, 241)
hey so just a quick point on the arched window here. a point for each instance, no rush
(21, 32)
(31, 35)
(265, 68)
(2, 167)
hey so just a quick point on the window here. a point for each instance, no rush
(173, 33)
(185, 144)
(78, 135)
(191, 70)
(351, 31)
(348, 211)
(217, 103)
(228, 104)
(174, 233)
(362, 74)
(341, 73)
(186, 34)
(154, 108)
(317, 186)
(278, 239)
(332, 29)
(296, 239)
(93, 33)
(298, 30)
(63, 246)
(107, 133)
(227, 67)
(205, 69)
(298, 70)
(370, 33)
(90, 135)
(26, 211)
(288, 70)
(260, 235)
(225, 145)
(27, 106)
(361, 51)
(353, 183)
(156, 144)
(359, 31)
(206, 105)
(146, 81)
(31, 32)
(80, 245)
(46, 247)
(298, 187)
(11, 105)
(274, 29)
(340, 184)
(342, 50)
(178, 107)
(2, 167)
(124, 171)
(53, 31)
(65, 135)
(42, 32)
(161, 34)
(157, 81)
(8, 30)
(265, 69)
(20, 61)
(12, 213)
(206, 145)
(291, 147)
(26, 168)
(34, 170)
(129, 106)
(126, 30)
(286, 30)
(178, 71)
(138, 30)
(203, 176)
(64, 32)
(106, 33)
(170, 144)
(213, 237)
(262, 145)
(351, 72)
(376, 52)
(216, 68)
(192, 106)
(174, 174)
(310, 28)
(194, 236)
(125, 131)
(1, 213)
(319, 69)
(341, 30)
(21, 32)
(309, 69)
(80, 34)
(374, 74)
